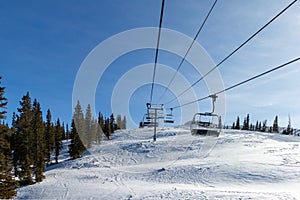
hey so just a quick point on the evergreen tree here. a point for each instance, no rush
(124, 123)
(112, 123)
(246, 124)
(259, 126)
(80, 122)
(219, 122)
(39, 143)
(119, 122)
(76, 147)
(7, 182)
(237, 126)
(264, 126)
(58, 138)
(275, 125)
(256, 126)
(67, 132)
(289, 129)
(233, 126)
(23, 153)
(63, 131)
(3, 102)
(107, 128)
(100, 128)
(89, 132)
(50, 137)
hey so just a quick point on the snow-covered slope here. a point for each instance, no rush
(241, 165)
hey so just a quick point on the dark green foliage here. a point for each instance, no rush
(288, 130)
(107, 128)
(264, 126)
(100, 128)
(246, 125)
(259, 126)
(220, 122)
(49, 137)
(112, 125)
(256, 126)
(76, 148)
(39, 143)
(275, 125)
(80, 122)
(237, 124)
(67, 132)
(89, 131)
(63, 131)
(119, 122)
(58, 138)
(7, 182)
(23, 152)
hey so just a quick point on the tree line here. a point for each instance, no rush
(31, 144)
(262, 126)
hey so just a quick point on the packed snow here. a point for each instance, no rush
(236, 165)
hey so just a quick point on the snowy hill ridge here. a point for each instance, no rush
(241, 165)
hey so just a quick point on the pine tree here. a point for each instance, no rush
(3, 102)
(112, 123)
(119, 122)
(76, 148)
(58, 138)
(23, 153)
(80, 122)
(50, 137)
(107, 128)
(275, 125)
(100, 128)
(289, 129)
(246, 123)
(220, 122)
(7, 182)
(39, 142)
(67, 132)
(256, 126)
(259, 126)
(124, 123)
(89, 132)
(63, 131)
(264, 126)
(237, 126)
(233, 126)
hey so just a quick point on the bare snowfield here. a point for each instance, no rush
(241, 165)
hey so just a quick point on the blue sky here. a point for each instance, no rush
(43, 44)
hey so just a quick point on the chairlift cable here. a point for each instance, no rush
(233, 52)
(157, 48)
(188, 50)
(241, 83)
